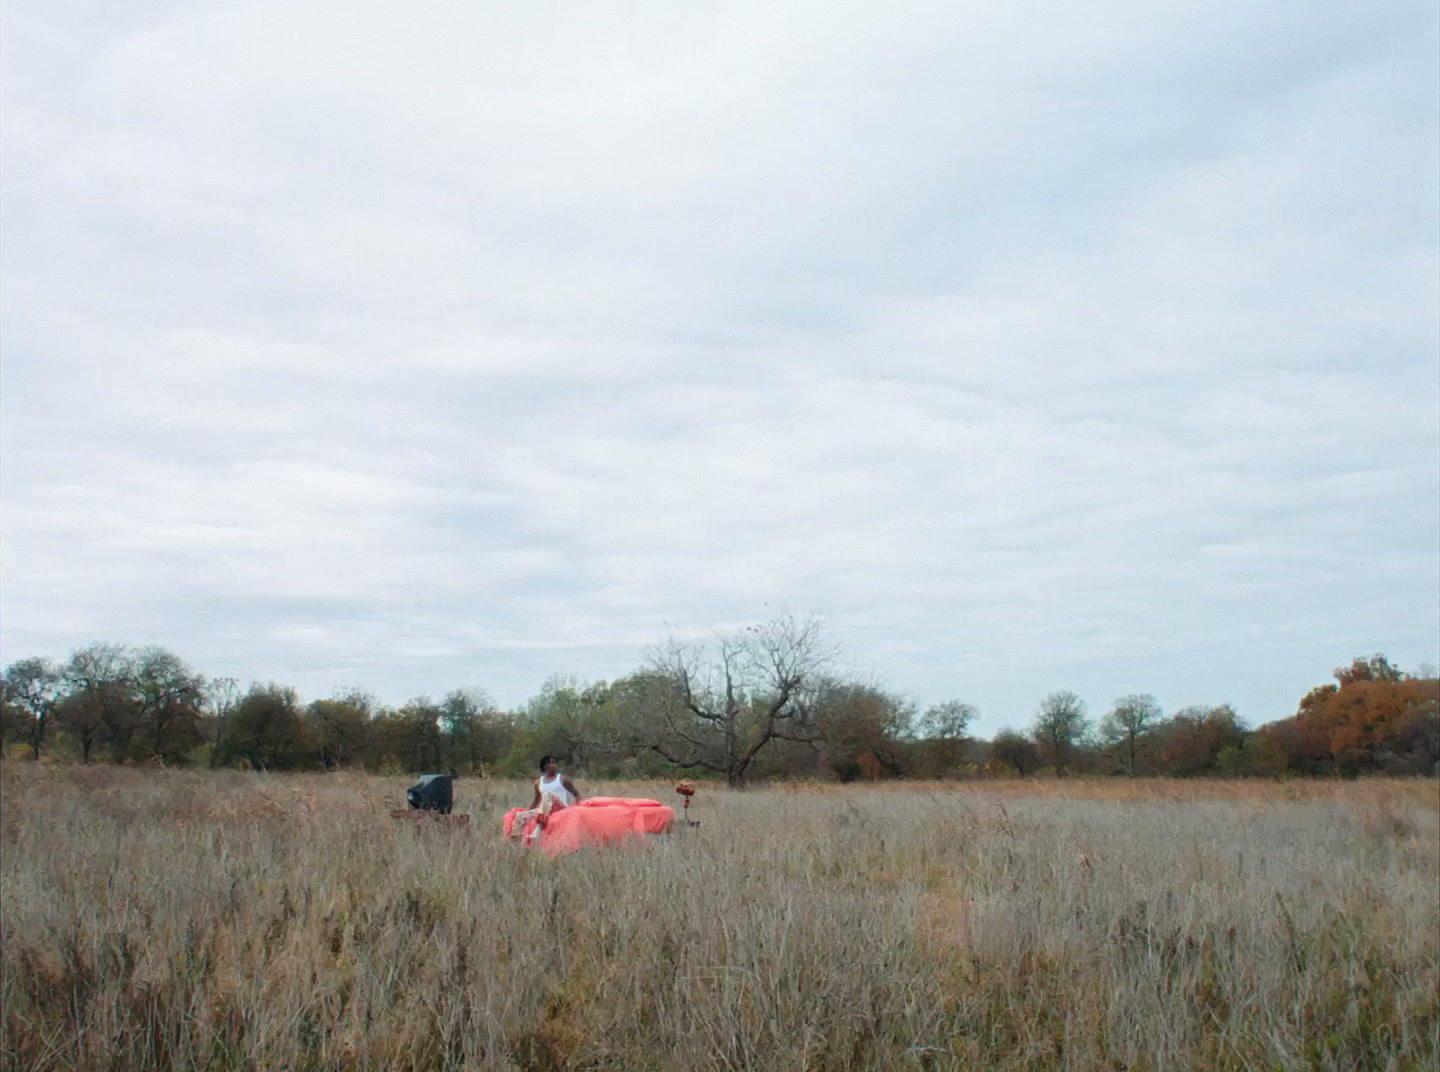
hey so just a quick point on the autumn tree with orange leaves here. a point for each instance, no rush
(1374, 718)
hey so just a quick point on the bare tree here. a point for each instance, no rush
(31, 689)
(718, 705)
(1058, 725)
(1128, 721)
(221, 696)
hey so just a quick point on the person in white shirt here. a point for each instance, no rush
(554, 784)
(553, 791)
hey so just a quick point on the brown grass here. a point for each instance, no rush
(157, 919)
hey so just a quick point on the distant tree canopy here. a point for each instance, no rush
(267, 730)
(1126, 725)
(1060, 727)
(31, 694)
(1374, 718)
(758, 703)
(1014, 751)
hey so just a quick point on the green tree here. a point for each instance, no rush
(943, 741)
(1059, 726)
(420, 743)
(1232, 761)
(267, 730)
(100, 702)
(386, 742)
(476, 733)
(1128, 721)
(341, 726)
(1263, 756)
(562, 721)
(630, 718)
(1015, 750)
(30, 689)
(170, 698)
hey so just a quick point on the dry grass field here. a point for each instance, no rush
(164, 919)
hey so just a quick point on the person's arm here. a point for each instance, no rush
(569, 785)
(536, 802)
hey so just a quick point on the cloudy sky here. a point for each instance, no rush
(1033, 345)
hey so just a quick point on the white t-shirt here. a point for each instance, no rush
(556, 788)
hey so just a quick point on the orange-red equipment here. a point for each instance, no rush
(686, 790)
(596, 821)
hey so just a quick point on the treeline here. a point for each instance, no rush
(1375, 719)
(756, 704)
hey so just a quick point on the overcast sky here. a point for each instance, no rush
(1034, 345)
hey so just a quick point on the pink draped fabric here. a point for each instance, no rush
(597, 821)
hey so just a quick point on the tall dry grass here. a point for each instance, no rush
(162, 919)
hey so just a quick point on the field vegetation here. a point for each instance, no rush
(239, 920)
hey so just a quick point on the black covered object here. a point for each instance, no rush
(433, 792)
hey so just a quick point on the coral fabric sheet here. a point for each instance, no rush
(598, 821)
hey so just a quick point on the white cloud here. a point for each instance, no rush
(1036, 346)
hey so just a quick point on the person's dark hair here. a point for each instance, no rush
(546, 759)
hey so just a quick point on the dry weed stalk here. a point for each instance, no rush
(163, 918)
